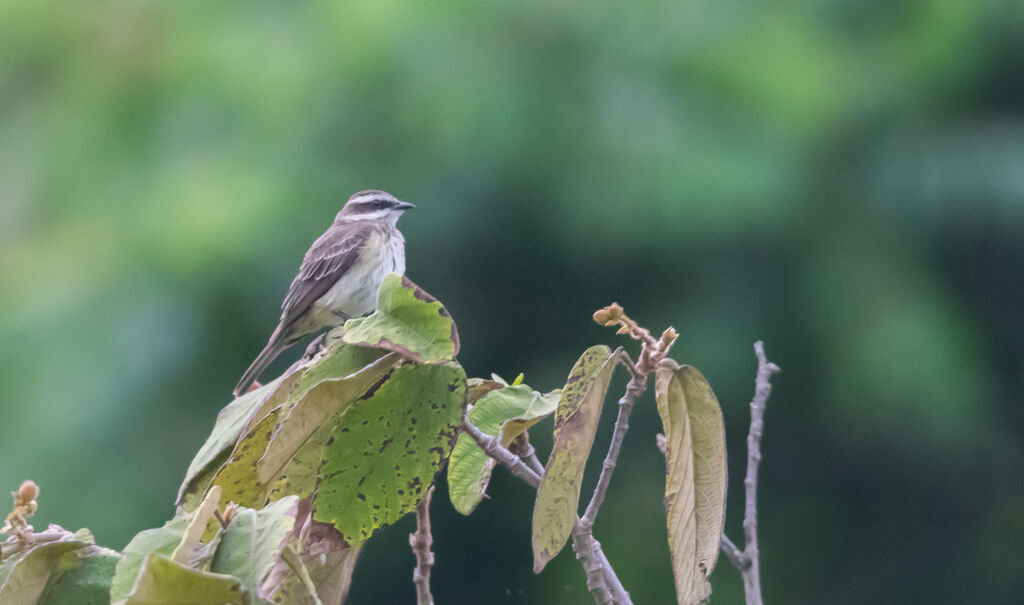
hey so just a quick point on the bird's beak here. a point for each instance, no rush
(404, 206)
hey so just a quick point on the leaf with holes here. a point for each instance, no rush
(385, 449)
(695, 479)
(407, 321)
(554, 511)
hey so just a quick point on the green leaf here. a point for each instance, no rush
(316, 406)
(24, 576)
(407, 321)
(83, 578)
(193, 550)
(253, 541)
(269, 450)
(238, 477)
(163, 540)
(386, 448)
(226, 430)
(166, 582)
(695, 479)
(338, 361)
(554, 511)
(507, 412)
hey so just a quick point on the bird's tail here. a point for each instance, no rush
(264, 359)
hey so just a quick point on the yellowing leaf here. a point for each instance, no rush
(229, 425)
(407, 321)
(315, 408)
(695, 478)
(384, 451)
(579, 409)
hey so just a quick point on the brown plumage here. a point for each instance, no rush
(340, 274)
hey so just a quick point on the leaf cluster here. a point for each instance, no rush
(299, 473)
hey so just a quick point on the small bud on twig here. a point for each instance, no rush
(25, 506)
(28, 492)
(229, 512)
(609, 315)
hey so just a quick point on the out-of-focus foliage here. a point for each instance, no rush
(841, 179)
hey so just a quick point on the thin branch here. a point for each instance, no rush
(749, 563)
(601, 578)
(523, 463)
(421, 540)
(522, 447)
(636, 386)
(493, 448)
(733, 553)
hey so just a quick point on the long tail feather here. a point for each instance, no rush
(264, 359)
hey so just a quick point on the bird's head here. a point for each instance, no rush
(373, 205)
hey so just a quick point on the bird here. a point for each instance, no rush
(339, 275)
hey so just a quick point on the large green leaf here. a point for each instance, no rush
(554, 511)
(316, 406)
(385, 449)
(230, 422)
(695, 479)
(505, 413)
(202, 534)
(83, 578)
(245, 413)
(163, 581)
(253, 541)
(407, 321)
(269, 450)
(163, 540)
(238, 477)
(24, 576)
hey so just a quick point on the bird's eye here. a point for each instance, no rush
(380, 204)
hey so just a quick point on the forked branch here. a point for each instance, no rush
(747, 561)
(522, 461)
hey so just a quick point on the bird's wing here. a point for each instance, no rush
(330, 256)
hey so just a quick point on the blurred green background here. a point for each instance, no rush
(841, 178)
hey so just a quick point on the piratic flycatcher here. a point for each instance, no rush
(340, 275)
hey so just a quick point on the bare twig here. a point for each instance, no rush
(522, 447)
(636, 386)
(493, 448)
(748, 561)
(601, 578)
(522, 461)
(734, 554)
(651, 353)
(421, 540)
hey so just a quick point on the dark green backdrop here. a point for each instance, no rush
(841, 178)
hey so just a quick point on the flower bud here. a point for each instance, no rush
(609, 315)
(28, 492)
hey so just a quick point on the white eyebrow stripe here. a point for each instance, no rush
(371, 197)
